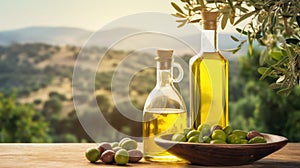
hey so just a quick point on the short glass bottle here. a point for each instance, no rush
(164, 110)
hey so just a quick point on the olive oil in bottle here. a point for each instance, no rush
(164, 110)
(161, 121)
(209, 78)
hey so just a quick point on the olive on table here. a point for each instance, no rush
(135, 155)
(92, 154)
(114, 144)
(104, 146)
(115, 149)
(129, 144)
(121, 157)
(107, 156)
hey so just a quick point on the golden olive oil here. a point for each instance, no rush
(209, 89)
(157, 122)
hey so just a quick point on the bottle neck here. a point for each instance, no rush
(209, 36)
(164, 74)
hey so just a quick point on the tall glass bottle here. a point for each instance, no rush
(164, 110)
(209, 78)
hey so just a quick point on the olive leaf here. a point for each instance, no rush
(195, 21)
(234, 38)
(197, 8)
(179, 15)
(242, 9)
(182, 22)
(231, 4)
(224, 20)
(245, 16)
(298, 20)
(175, 6)
(292, 41)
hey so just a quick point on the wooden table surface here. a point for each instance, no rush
(71, 155)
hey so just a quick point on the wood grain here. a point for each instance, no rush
(72, 155)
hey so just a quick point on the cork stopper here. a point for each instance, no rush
(165, 58)
(210, 20)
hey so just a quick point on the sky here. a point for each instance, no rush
(86, 14)
(90, 15)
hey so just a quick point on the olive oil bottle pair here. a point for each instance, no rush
(165, 111)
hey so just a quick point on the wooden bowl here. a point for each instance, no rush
(221, 154)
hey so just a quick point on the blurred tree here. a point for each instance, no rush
(20, 122)
(52, 109)
(259, 107)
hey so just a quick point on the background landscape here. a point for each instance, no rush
(36, 68)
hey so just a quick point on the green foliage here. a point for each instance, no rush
(20, 122)
(52, 109)
(258, 107)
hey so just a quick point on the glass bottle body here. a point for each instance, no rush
(209, 82)
(209, 89)
(164, 112)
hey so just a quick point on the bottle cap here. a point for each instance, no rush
(210, 20)
(164, 55)
(165, 58)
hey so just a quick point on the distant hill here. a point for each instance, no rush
(106, 38)
(48, 35)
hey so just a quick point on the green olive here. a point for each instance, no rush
(92, 154)
(193, 139)
(179, 137)
(206, 139)
(123, 140)
(187, 130)
(193, 133)
(244, 141)
(257, 139)
(227, 130)
(129, 144)
(241, 134)
(204, 129)
(114, 144)
(218, 134)
(121, 157)
(217, 141)
(233, 139)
